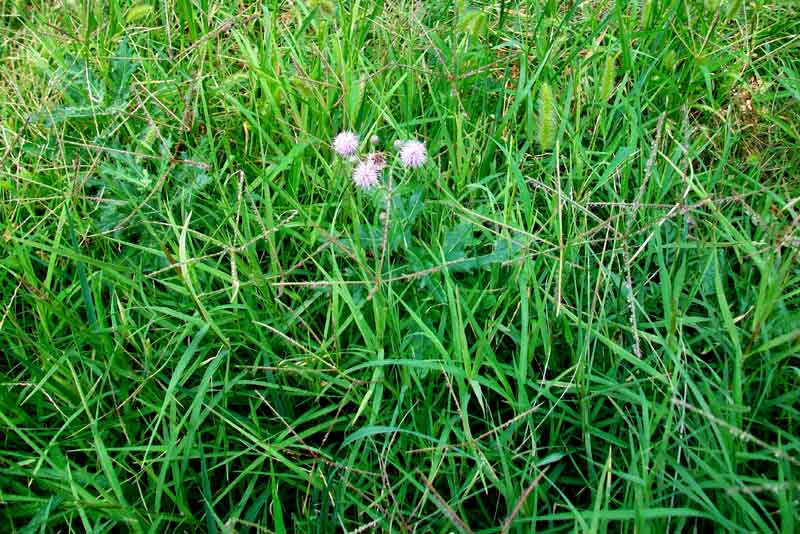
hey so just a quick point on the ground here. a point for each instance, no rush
(580, 314)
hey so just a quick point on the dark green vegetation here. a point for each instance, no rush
(581, 315)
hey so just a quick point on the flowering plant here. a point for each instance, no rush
(367, 170)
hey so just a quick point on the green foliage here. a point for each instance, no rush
(474, 22)
(647, 13)
(204, 325)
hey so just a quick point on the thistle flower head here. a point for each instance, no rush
(345, 143)
(377, 159)
(365, 175)
(413, 154)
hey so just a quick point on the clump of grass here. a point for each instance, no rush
(205, 326)
(646, 13)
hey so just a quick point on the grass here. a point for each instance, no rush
(583, 314)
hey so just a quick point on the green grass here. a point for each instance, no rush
(582, 315)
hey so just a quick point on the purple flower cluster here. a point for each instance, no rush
(367, 172)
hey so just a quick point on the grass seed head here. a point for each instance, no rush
(548, 120)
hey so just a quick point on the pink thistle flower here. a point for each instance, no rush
(413, 154)
(377, 159)
(365, 175)
(345, 143)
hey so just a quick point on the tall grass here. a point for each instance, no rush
(580, 315)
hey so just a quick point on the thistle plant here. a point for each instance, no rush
(367, 171)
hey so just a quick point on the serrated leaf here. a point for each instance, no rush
(122, 68)
(504, 250)
(457, 240)
(78, 83)
(407, 210)
(370, 236)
